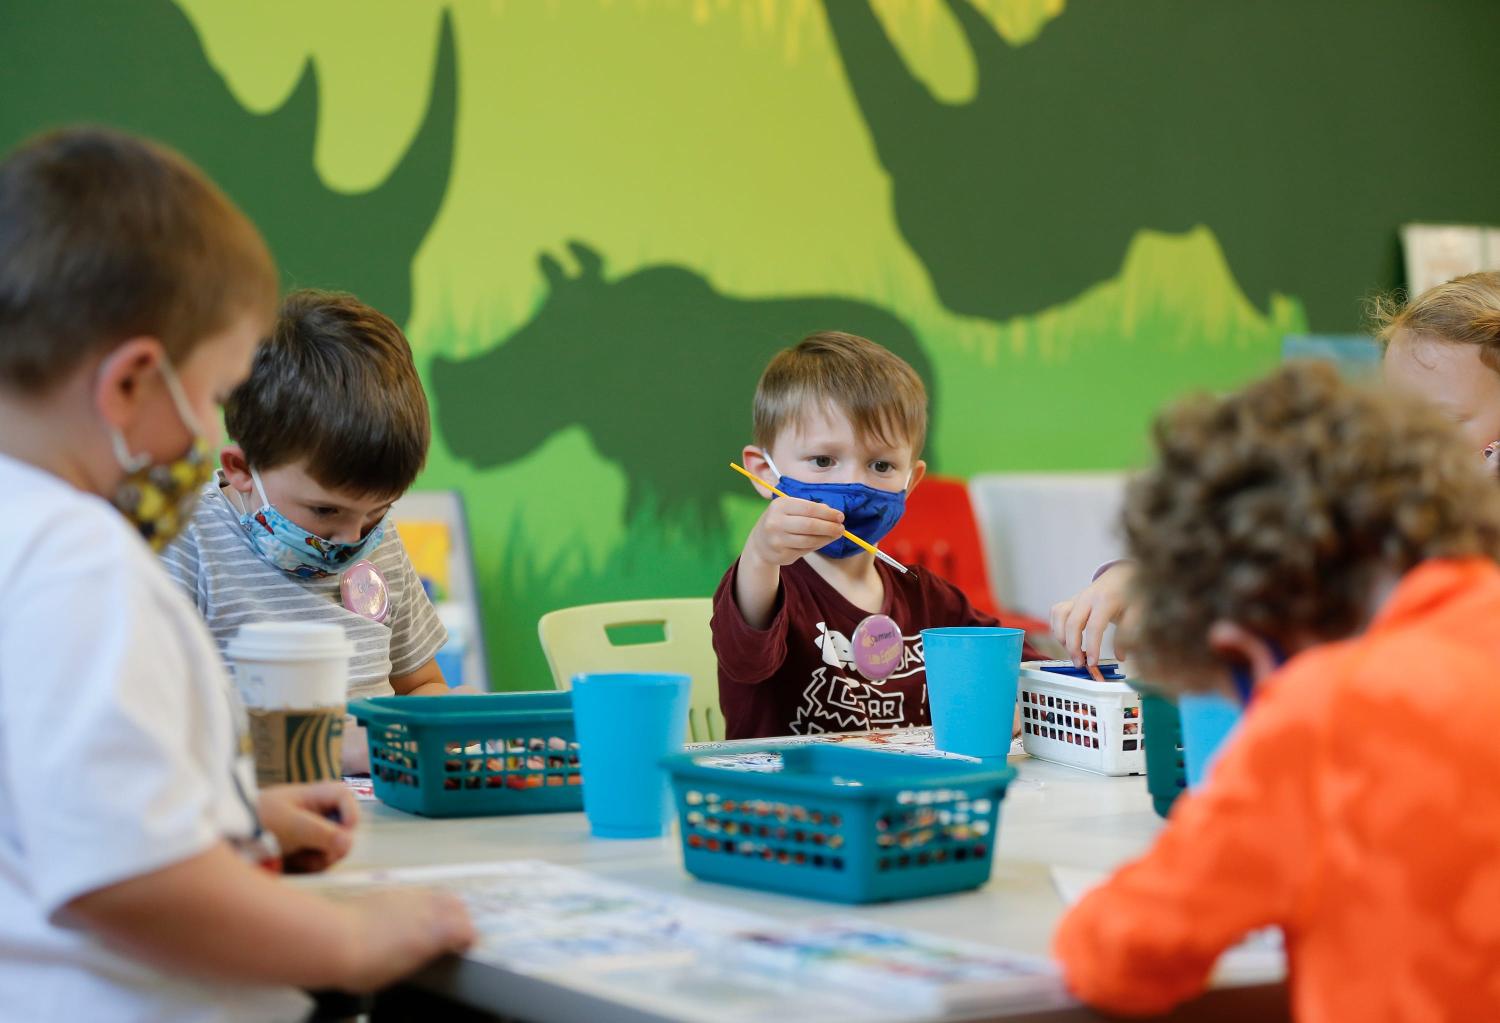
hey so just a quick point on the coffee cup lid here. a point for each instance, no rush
(289, 641)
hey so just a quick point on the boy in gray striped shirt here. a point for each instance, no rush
(330, 428)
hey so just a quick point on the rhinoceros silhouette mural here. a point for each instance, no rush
(658, 366)
(1303, 133)
(139, 65)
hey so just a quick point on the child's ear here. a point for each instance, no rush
(918, 471)
(1232, 643)
(120, 386)
(754, 459)
(236, 468)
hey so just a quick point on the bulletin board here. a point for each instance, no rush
(435, 532)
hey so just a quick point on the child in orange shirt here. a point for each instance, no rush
(1357, 809)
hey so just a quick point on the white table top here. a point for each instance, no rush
(1052, 816)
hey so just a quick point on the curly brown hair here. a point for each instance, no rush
(1279, 508)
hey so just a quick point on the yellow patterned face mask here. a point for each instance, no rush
(159, 499)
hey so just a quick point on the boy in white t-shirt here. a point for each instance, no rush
(132, 838)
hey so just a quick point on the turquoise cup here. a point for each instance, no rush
(971, 688)
(626, 723)
(1208, 719)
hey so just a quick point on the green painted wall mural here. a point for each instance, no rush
(140, 65)
(1293, 129)
(633, 360)
(596, 218)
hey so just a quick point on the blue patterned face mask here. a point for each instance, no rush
(869, 513)
(282, 543)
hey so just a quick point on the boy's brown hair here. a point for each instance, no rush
(1280, 507)
(1465, 310)
(879, 392)
(335, 386)
(105, 237)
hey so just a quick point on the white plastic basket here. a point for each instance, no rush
(1091, 725)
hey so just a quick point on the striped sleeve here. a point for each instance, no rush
(180, 559)
(417, 634)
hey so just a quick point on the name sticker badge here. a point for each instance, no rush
(365, 592)
(877, 647)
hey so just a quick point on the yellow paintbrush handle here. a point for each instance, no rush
(751, 476)
(848, 535)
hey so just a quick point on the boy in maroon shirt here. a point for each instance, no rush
(844, 419)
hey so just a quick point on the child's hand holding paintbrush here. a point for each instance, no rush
(800, 527)
(789, 529)
(792, 528)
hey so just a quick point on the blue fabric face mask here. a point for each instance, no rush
(283, 544)
(868, 513)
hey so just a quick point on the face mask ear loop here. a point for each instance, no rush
(179, 399)
(128, 463)
(1278, 653)
(265, 502)
(233, 496)
(1244, 682)
(767, 456)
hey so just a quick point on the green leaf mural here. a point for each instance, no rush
(1064, 214)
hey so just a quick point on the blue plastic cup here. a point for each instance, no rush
(971, 688)
(1207, 721)
(626, 723)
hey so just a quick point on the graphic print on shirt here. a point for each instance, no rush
(838, 698)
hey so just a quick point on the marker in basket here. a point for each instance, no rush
(882, 555)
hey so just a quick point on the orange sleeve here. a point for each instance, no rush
(1235, 856)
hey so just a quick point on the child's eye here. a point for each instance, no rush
(324, 512)
(882, 467)
(822, 461)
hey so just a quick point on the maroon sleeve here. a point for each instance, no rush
(746, 655)
(951, 608)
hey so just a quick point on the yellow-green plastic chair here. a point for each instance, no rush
(577, 640)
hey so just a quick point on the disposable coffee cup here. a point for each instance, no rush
(294, 680)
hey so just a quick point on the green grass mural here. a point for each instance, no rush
(748, 148)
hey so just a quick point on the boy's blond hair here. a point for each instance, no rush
(1465, 311)
(1280, 507)
(879, 392)
(105, 236)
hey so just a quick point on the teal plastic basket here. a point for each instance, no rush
(467, 756)
(846, 825)
(1166, 765)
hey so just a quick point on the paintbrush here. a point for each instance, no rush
(882, 555)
